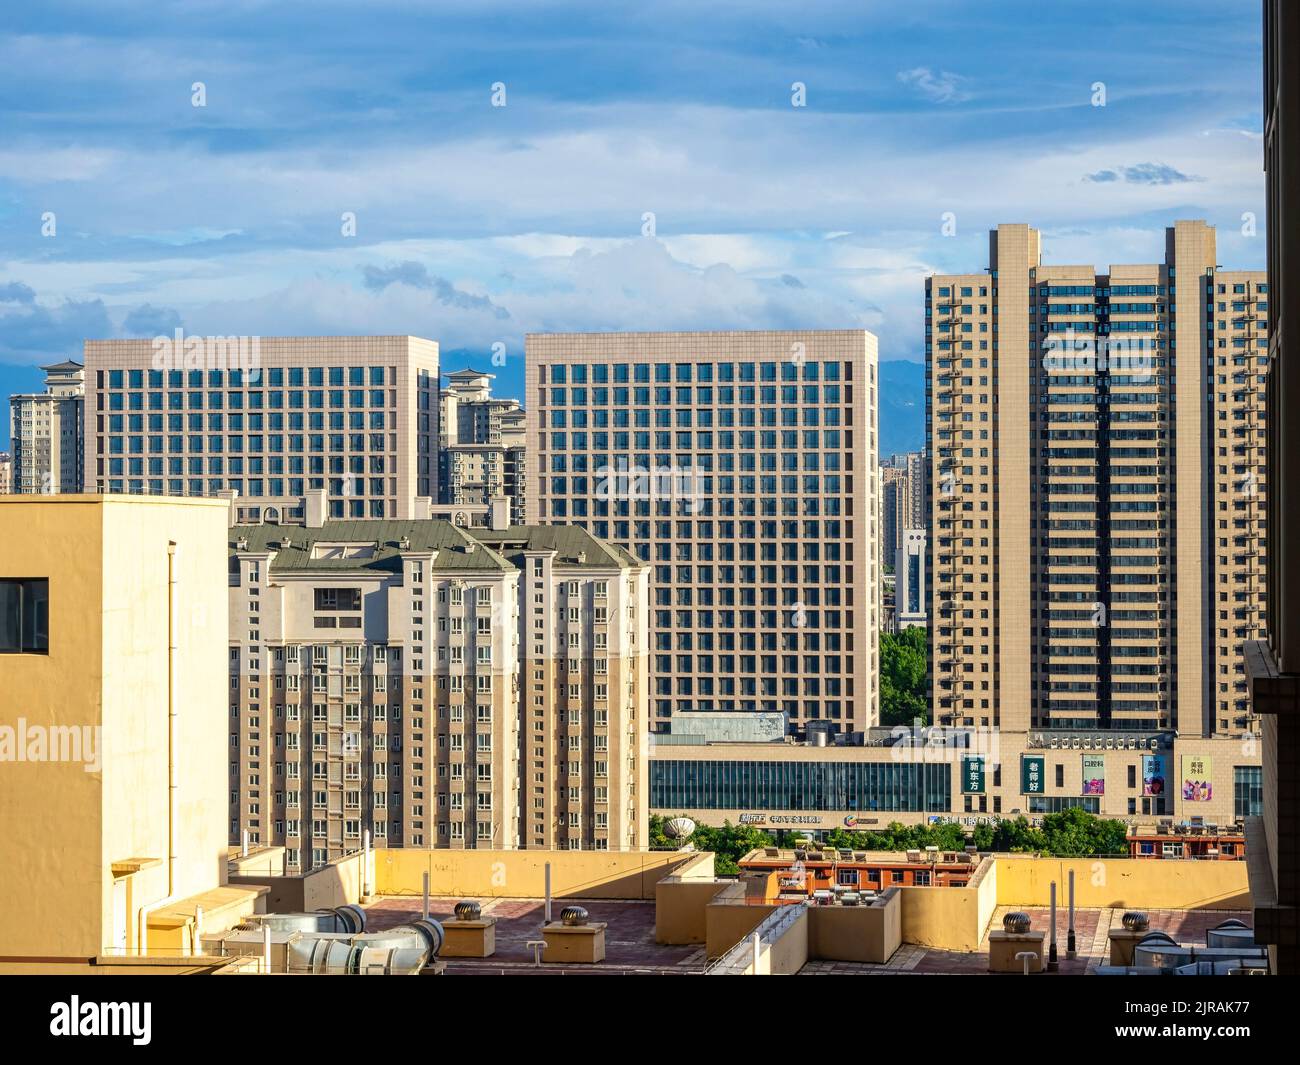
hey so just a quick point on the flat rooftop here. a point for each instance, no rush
(630, 945)
(1186, 927)
(782, 858)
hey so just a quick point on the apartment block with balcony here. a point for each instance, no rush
(584, 686)
(1097, 489)
(45, 430)
(481, 445)
(376, 673)
(268, 418)
(741, 466)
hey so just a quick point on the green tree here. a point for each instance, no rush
(729, 843)
(902, 677)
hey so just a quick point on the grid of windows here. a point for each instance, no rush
(740, 785)
(736, 479)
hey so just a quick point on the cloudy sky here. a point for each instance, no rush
(477, 223)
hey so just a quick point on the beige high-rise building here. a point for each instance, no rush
(435, 686)
(902, 501)
(1097, 489)
(6, 473)
(269, 418)
(481, 445)
(45, 432)
(742, 466)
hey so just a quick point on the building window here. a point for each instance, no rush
(1247, 791)
(24, 616)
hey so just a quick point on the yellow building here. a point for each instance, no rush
(113, 635)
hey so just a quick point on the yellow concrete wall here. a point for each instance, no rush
(943, 917)
(1124, 883)
(680, 909)
(790, 952)
(338, 883)
(106, 560)
(727, 925)
(136, 534)
(985, 883)
(856, 933)
(521, 874)
(51, 869)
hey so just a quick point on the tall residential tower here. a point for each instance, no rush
(1096, 489)
(46, 432)
(481, 445)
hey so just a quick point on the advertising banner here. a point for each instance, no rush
(1198, 778)
(972, 775)
(1153, 774)
(1094, 774)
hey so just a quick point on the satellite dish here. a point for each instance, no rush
(679, 827)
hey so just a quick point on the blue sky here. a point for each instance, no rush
(477, 224)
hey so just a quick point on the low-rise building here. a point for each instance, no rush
(112, 617)
(965, 776)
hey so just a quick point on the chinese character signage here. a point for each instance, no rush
(972, 774)
(1198, 778)
(1153, 774)
(1033, 776)
(1094, 774)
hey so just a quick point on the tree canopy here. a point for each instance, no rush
(902, 677)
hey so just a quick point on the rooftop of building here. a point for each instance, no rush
(630, 945)
(782, 858)
(1091, 925)
(573, 546)
(298, 548)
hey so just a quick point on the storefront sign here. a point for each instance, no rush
(972, 775)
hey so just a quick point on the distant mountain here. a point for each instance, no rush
(902, 407)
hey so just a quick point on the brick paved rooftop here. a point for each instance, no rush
(630, 945)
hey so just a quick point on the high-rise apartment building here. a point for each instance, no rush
(269, 418)
(481, 445)
(435, 686)
(6, 473)
(45, 431)
(1097, 489)
(910, 601)
(742, 466)
(902, 501)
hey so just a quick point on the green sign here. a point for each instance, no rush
(1033, 774)
(972, 774)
